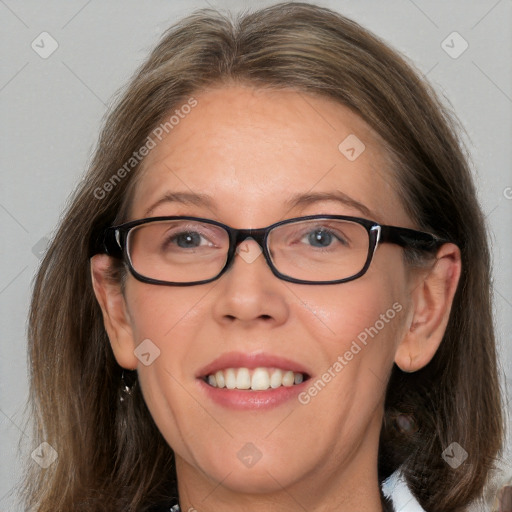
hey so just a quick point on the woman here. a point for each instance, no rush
(272, 289)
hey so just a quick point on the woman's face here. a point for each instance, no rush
(250, 152)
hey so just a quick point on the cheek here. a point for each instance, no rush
(356, 327)
(165, 322)
(157, 311)
(359, 310)
(170, 318)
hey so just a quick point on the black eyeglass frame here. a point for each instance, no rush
(112, 241)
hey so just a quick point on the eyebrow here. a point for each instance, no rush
(338, 196)
(183, 198)
(295, 201)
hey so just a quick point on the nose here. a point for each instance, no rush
(248, 292)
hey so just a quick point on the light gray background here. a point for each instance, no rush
(51, 110)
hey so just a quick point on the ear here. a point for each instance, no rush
(432, 299)
(115, 313)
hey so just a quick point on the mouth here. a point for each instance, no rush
(238, 380)
(254, 379)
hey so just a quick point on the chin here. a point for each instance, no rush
(262, 478)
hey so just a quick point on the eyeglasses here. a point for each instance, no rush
(316, 249)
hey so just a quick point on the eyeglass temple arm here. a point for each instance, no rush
(104, 242)
(410, 238)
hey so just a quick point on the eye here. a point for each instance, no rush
(320, 237)
(186, 239)
(324, 237)
(187, 236)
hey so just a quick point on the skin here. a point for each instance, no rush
(251, 149)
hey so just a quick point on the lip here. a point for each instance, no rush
(251, 361)
(247, 400)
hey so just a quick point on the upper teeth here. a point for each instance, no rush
(258, 379)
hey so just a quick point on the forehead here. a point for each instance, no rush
(250, 150)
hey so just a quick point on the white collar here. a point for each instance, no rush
(396, 487)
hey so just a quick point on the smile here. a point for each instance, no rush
(257, 379)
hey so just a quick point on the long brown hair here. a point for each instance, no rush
(111, 455)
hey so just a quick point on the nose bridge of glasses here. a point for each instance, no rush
(258, 235)
(238, 236)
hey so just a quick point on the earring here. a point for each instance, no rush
(128, 381)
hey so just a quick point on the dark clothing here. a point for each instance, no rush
(164, 507)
